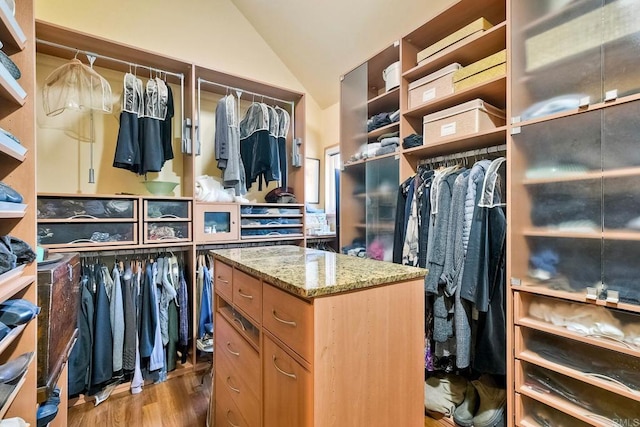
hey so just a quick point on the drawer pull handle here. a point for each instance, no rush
(290, 375)
(286, 322)
(222, 280)
(232, 388)
(229, 421)
(243, 295)
(82, 217)
(235, 319)
(235, 353)
(169, 216)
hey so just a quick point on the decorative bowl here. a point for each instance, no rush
(160, 188)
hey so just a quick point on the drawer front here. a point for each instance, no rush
(227, 413)
(290, 319)
(216, 222)
(530, 412)
(241, 356)
(84, 208)
(247, 294)
(95, 233)
(235, 384)
(167, 209)
(162, 232)
(223, 279)
(287, 389)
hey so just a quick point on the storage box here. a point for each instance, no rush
(58, 298)
(433, 86)
(452, 41)
(464, 119)
(481, 71)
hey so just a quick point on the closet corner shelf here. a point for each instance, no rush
(540, 325)
(386, 102)
(12, 287)
(370, 159)
(492, 91)
(461, 143)
(475, 48)
(11, 33)
(382, 130)
(533, 358)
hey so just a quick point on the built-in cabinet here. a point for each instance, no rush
(574, 178)
(18, 169)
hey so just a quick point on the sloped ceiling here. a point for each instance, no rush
(321, 40)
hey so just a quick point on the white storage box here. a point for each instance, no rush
(433, 86)
(464, 119)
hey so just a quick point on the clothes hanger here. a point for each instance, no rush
(491, 179)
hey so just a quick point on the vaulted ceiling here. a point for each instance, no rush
(321, 40)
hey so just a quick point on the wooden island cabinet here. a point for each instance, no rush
(311, 338)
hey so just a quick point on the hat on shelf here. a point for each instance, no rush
(8, 194)
(16, 312)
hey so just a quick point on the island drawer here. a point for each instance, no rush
(247, 295)
(223, 278)
(242, 357)
(289, 318)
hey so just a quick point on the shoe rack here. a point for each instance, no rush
(17, 169)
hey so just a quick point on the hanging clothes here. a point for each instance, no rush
(183, 301)
(227, 146)
(157, 360)
(254, 145)
(148, 313)
(284, 120)
(102, 365)
(206, 313)
(274, 131)
(166, 127)
(81, 354)
(129, 298)
(116, 313)
(127, 155)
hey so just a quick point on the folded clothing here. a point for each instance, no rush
(388, 135)
(377, 121)
(390, 141)
(413, 140)
(386, 150)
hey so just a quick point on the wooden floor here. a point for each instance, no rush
(179, 402)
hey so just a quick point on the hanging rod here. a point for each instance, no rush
(200, 80)
(465, 154)
(109, 58)
(138, 251)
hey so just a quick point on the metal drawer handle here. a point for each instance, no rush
(170, 216)
(81, 241)
(286, 322)
(232, 387)
(235, 353)
(235, 319)
(244, 295)
(229, 421)
(281, 371)
(82, 217)
(222, 280)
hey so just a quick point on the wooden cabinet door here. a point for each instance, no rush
(287, 389)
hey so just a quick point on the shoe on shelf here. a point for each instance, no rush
(8, 194)
(493, 401)
(463, 414)
(205, 344)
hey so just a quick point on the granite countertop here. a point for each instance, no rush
(312, 273)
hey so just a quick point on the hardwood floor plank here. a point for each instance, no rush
(178, 402)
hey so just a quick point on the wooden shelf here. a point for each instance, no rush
(535, 359)
(13, 286)
(270, 226)
(386, 102)
(14, 392)
(120, 248)
(266, 215)
(476, 47)
(12, 148)
(371, 159)
(562, 332)
(93, 220)
(11, 337)
(493, 91)
(563, 406)
(382, 130)
(11, 33)
(10, 212)
(10, 90)
(262, 239)
(631, 235)
(463, 143)
(274, 205)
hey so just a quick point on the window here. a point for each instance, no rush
(332, 168)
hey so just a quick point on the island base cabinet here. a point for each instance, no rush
(287, 389)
